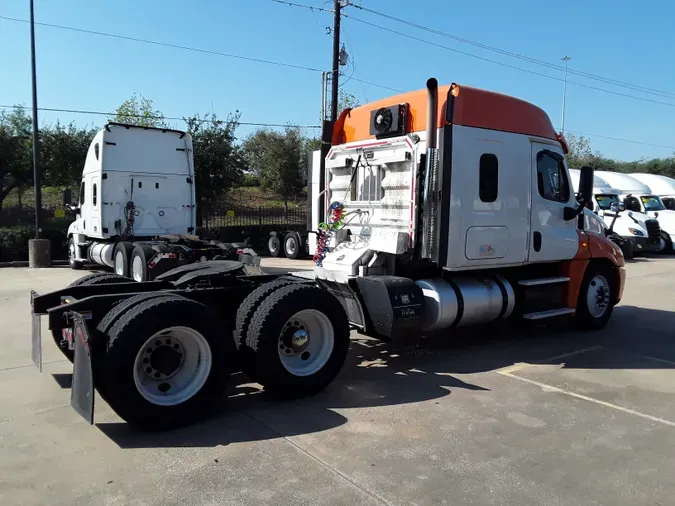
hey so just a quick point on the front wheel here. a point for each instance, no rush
(74, 263)
(665, 244)
(597, 297)
(298, 341)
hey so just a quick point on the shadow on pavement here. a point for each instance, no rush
(379, 374)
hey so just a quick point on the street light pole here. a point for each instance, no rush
(565, 59)
(36, 146)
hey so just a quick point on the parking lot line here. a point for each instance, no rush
(524, 365)
(551, 388)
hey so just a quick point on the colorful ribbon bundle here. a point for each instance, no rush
(334, 222)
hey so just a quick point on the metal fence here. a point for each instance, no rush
(232, 216)
(241, 216)
(25, 216)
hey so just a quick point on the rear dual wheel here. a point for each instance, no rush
(297, 339)
(170, 362)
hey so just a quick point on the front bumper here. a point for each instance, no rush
(642, 244)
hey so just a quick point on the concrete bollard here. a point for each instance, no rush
(39, 253)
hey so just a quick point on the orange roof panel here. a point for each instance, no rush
(473, 107)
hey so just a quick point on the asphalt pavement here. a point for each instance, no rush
(508, 416)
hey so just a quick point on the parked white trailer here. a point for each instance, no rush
(137, 209)
(639, 198)
(641, 231)
(661, 185)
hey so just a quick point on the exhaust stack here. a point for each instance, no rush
(430, 204)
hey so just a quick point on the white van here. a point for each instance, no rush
(639, 229)
(638, 197)
(663, 186)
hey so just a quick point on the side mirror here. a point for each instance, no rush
(67, 197)
(586, 183)
(617, 207)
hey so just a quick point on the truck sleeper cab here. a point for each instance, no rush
(472, 215)
(444, 207)
(136, 212)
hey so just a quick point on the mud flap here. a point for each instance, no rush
(82, 390)
(36, 334)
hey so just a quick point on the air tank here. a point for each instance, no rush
(101, 253)
(465, 301)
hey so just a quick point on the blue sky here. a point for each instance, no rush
(618, 39)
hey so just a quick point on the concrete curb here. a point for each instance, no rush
(24, 263)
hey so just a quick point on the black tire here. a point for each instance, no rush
(91, 279)
(74, 264)
(121, 260)
(595, 274)
(143, 253)
(263, 338)
(274, 246)
(292, 246)
(628, 250)
(104, 326)
(245, 315)
(128, 335)
(667, 243)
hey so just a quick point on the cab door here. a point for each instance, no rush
(551, 236)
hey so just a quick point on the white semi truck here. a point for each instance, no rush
(638, 230)
(137, 210)
(639, 198)
(660, 185)
(444, 207)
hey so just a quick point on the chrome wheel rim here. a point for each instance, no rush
(119, 263)
(137, 268)
(306, 342)
(598, 296)
(172, 366)
(290, 245)
(71, 252)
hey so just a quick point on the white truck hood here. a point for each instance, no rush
(666, 220)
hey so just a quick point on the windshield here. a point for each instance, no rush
(652, 203)
(605, 201)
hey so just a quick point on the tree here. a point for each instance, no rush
(219, 161)
(277, 159)
(64, 151)
(345, 101)
(138, 111)
(16, 165)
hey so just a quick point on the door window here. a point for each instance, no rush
(552, 177)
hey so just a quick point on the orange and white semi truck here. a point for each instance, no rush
(443, 207)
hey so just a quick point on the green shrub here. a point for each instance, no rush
(14, 241)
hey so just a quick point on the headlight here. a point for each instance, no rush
(635, 231)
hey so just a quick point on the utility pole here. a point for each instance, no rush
(336, 61)
(327, 124)
(36, 146)
(565, 59)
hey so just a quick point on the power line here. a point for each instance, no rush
(99, 113)
(644, 89)
(304, 6)
(168, 44)
(622, 140)
(626, 95)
